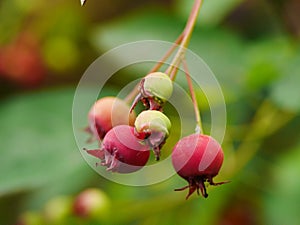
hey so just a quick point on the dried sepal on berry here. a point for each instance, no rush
(154, 90)
(154, 127)
(121, 151)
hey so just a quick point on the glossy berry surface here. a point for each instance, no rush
(122, 151)
(106, 113)
(154, 127)
(197, 158)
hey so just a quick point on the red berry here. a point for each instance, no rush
(21, 62)
(106, 113)
(197, 158)
(122, 151)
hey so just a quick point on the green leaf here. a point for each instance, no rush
(143, 25)
(38, 146)
(265, 61)
(282, 202)
(285, 91)
(212, 12)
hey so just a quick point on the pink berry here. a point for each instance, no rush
(92, 203)
(122, 151)
(106, 113)
(197, 158)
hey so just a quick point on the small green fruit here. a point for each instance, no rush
(152, 121)
(155, 89)
(153, 127)
(157, 85)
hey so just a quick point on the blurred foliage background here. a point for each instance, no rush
(253, 48)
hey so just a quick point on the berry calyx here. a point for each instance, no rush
(155, 89)
(197, 158)
(153, 127)
(122, 151)
(106, 113)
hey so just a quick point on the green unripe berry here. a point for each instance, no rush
(154, 90)
(152, 121)
(157, 85)
(153, 127)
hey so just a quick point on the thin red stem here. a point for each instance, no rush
(187, 36)
(183, 40)
(199, 128)
(135, 90)
(168, 53)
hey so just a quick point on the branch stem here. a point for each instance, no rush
(158, 65)
(187, 36)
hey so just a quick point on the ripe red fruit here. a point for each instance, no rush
(122, 151)
(197, 158)
(106, 113)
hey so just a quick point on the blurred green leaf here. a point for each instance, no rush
(285, 91)
(282, 202)
(265, 61)
(38, 146)
(145, 25)
(212, 12)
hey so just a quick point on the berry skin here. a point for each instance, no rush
(106, 113)
(197, 158)
(155, 89)
(92, 203)
(21, 62)
(122, 151)
(154, 127)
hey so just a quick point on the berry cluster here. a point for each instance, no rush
(126, 139)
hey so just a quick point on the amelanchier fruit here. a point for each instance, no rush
(153, 127)
(121, 151)
(92, 203)
(106, 113)
(197, 158)
(154, 90)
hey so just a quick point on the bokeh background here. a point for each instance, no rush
(253, 48)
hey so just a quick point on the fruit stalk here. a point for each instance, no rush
(199, 128)
(156, 67)
(185, 41)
